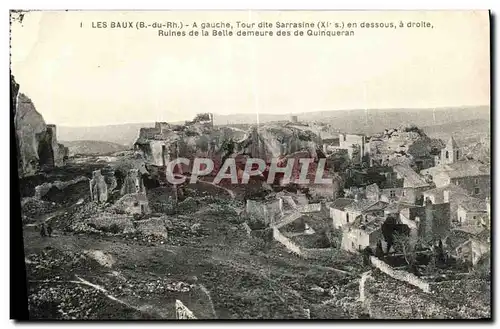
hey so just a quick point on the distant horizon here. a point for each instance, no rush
(439, 108)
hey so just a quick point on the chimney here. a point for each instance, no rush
(446, 196)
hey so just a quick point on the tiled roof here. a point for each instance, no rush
(466, 169)
(341, 203)
(451, 187)
(364, 204)
(399, 160)
(371, 224)
(471, 230)
(411, 178)
(398, 206)
(473, 205)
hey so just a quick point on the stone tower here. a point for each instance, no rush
(451, 152)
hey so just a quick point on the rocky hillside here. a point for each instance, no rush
(406, 141)
(88, 147)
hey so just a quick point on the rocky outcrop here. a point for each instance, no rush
(273, 140)
(43, 189)
(198, 138)
(98, 187)
(405, 144)
(109, 178)
(133, 204)
(132, 183)
(37, 144)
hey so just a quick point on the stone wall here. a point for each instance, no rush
(278, 236)
(182, 312)
(268, 212)
(400, 275)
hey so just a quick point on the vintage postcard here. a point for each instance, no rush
(253, 164)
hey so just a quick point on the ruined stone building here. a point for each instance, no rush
(134, 203)
(473, 212)
(413, 184)
(472, 251)
(357, 146)
(432, 221)
(452, 194)
(400, 183)
(266, 212)
(337, 212)
(98, 187)
(133, 199)
(344, 211)
(471, 175)
(197, 138)
(364, 232)
(406, 145)
(36, 141)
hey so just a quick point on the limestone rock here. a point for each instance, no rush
(134, 203)
(133, 183)
(37, 146)
(154, 227)
(98, 187)
(30, 131)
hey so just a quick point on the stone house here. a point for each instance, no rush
(432, 221)
(388, 192)
(473, 212)
(337, 212)
(414, 185)
(364, 232)
(472, 250)
(363, 207)
(471, 175)
(443, 194)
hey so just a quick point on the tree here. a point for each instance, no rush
(379, 251)
(388, 231)
(403, 243)
(439, 254)
(407, 245)
(367, 252)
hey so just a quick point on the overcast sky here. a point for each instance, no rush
(83, 76)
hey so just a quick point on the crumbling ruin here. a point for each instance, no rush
(404, 145)
(37, 144)
(199, 138)
(98, 187)
(134, 199)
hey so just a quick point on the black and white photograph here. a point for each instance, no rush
(252, 164)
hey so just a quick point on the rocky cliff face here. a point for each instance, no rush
(36, 142)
